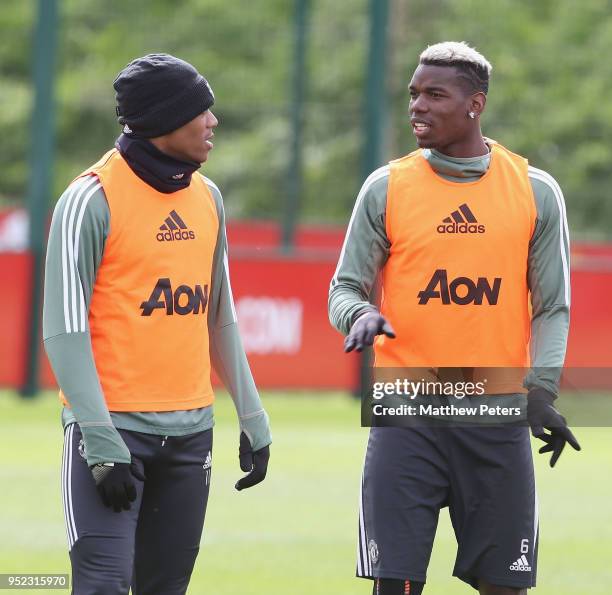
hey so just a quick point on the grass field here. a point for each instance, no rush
(295, 533)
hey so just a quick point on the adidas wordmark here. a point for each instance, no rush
(521, 564)
(461, 221)
(174, 228)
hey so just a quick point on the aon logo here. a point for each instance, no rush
(461, 291)
(183, 300)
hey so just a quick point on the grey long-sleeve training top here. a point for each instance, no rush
(71, 354)
(366, 249)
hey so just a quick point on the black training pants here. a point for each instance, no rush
(153, 546)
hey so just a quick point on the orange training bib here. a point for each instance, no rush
(455, 284)
(149, 309)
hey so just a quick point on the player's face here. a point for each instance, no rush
(439, 107)
(192, 142)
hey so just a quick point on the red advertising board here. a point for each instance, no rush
(282, 312)
(15, 283)
(281, 303)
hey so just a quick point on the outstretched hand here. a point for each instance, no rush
(542, 416)
(365, 329)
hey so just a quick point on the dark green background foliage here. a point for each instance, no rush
(548, 98)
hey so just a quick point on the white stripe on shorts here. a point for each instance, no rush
(64, 466)
(67, 487)
(536, 521)
(364, 565)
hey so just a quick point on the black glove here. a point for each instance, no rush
(255, 462)
(115, 483)
(542, 415)
(365, 328)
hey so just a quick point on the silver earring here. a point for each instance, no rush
(472, 115)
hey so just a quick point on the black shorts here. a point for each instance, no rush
(483, 474)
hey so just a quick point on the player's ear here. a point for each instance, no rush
(477, 103)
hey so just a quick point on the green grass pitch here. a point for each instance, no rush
(296, 532)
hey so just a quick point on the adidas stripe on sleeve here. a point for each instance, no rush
(549, 283)
(553, 220)
(76, 241)
(364, 253)
(79, 228)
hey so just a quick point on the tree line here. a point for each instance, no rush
(548, 97)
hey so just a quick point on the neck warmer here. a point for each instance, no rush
(166, 174)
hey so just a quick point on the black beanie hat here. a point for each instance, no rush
(159, 93)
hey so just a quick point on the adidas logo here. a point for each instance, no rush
(206, 466)
(521, 564)
(461, 221)
(174, 228)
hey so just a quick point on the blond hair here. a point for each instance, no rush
(471, 65)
